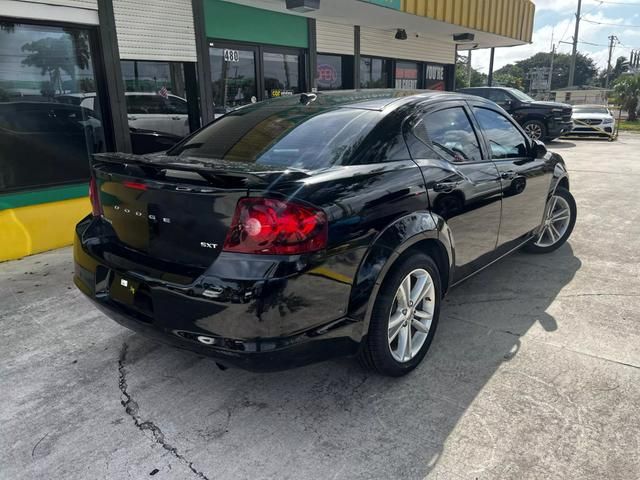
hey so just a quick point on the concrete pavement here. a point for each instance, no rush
(534, 373)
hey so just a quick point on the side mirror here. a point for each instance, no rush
(539, 149)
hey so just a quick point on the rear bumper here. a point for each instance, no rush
(261, 324)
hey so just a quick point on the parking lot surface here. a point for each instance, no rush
(534, 373)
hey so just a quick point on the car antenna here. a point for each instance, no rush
(307, 98)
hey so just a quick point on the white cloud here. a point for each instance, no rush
(555, 5)
(563, 30)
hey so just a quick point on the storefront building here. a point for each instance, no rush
(78, 77)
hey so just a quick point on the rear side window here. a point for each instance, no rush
(146, 104)
(499, 96)
(450, 134)
(298, 137)
(505, 140)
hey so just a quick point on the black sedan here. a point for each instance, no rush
(315, 226)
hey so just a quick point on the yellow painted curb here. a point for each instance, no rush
(38, 228)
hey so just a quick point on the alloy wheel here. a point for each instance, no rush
(534, 131)
(411, 315)
(556, 222)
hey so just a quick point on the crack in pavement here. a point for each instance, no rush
(131, 408)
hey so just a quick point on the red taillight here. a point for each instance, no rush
(94, 196)
(268, 226)
(135, 185)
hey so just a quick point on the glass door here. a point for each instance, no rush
(374, 72)
(283, 72)
(233, 77)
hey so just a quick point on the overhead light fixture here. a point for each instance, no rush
(464, 37)
(401, 34)
(303, 6)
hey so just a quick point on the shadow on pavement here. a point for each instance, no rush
(334, 420)
(560, 144)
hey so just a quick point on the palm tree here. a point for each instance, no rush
(55, 55)
(627, 89)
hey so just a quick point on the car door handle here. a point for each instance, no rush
(176, 118)
(131, 117)
(508, 175)
(445, 187)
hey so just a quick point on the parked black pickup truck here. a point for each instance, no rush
(541, 120)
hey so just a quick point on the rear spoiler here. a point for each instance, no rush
(208, 168)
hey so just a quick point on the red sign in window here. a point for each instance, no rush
(406, 75)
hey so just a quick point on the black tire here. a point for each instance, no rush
(375, 352)
(566, 194)
(537, 126)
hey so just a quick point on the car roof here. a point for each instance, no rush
(370, 99)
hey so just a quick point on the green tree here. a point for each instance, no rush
(478, 79)
(586, 71)
(627, 91)
(621, 66)
(507, 80)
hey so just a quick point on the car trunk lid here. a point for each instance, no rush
(176, 210)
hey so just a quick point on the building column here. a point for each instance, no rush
(490, 77)
(312, 69)
(356, 57)
(204, 62)
(111, 94)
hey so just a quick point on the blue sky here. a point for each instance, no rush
(555, 19)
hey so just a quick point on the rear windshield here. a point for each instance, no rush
(297, 137)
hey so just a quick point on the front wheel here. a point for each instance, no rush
(404, 317)
(560, 218)
(535, 129)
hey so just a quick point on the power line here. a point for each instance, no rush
(607, 2)
(566, 30)
(594, 44)
(610, 24)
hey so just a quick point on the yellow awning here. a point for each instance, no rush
(508, 18)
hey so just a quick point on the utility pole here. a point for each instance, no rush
(469, 68)
(574, 53)
(612, 39)
(490, 77)
(553, 57)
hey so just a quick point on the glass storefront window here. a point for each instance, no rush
(406, 75)
(434, 77)
(281, 74)
(49, 114)
(144, 76)
(233, 75)
(156, 102)
(329, 74)
(374, 72)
